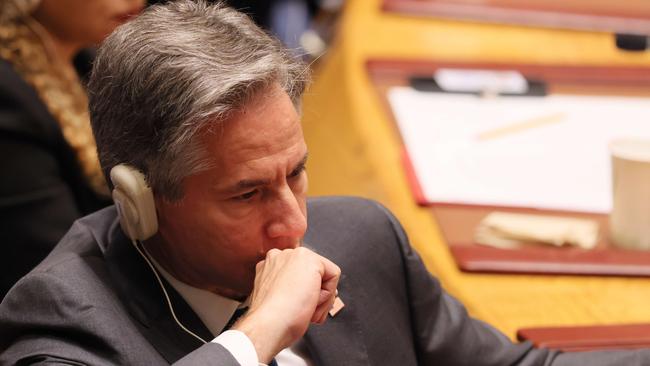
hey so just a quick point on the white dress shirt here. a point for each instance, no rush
(215, 311)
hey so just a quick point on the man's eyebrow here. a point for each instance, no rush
(252, 183)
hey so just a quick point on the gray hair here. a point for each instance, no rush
(173, 71)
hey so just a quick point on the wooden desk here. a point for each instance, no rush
(629, 16)
(355, 150)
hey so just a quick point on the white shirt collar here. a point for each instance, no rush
(214, 310)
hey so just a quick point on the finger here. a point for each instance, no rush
(320, 315)
(272, 253)
(330, 270)
(325, 306)
(327, 309)
(318, 312)
(260, 266)
(324, 317)
(324, 296)
(331, 275)
(328, 289)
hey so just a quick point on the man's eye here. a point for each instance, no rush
(246, 196)
(297, 172)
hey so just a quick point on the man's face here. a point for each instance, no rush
(251, 200)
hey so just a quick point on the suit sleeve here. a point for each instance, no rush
(46, 321)
(446, 334)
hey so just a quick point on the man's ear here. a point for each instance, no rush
(134, 201)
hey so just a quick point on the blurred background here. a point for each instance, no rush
(390, 74)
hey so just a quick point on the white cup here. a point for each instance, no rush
(630, 218)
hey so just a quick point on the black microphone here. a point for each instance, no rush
(632, 42)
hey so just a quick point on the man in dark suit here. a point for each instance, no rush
(207, 257)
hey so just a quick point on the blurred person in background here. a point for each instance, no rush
(50, 172)
(304, 26)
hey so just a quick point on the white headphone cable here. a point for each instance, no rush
(137, 245)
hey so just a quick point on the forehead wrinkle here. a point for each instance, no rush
(257, 172)
(254, 145)
(261, 141)
(285, 158)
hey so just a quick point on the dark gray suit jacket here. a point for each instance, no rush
(94, 301)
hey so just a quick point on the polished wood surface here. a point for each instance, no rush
(575, 339)
(629, 16)
(629, 8)
(354, 149)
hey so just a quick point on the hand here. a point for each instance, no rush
(293, 287)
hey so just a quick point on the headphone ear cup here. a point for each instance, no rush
(127, 213)
(134, 202)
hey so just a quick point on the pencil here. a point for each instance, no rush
(520, 126)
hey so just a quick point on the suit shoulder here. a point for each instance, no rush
(81, 249)
(344, 226)
(66, 311)
(340, 208)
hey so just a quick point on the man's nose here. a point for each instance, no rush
(288, 218)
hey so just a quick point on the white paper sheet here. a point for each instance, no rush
(560, 162)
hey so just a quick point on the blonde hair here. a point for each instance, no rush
(14, 9)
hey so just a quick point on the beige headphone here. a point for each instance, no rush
(134, 201)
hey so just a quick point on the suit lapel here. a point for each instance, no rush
(139, 290)
(340, 340)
